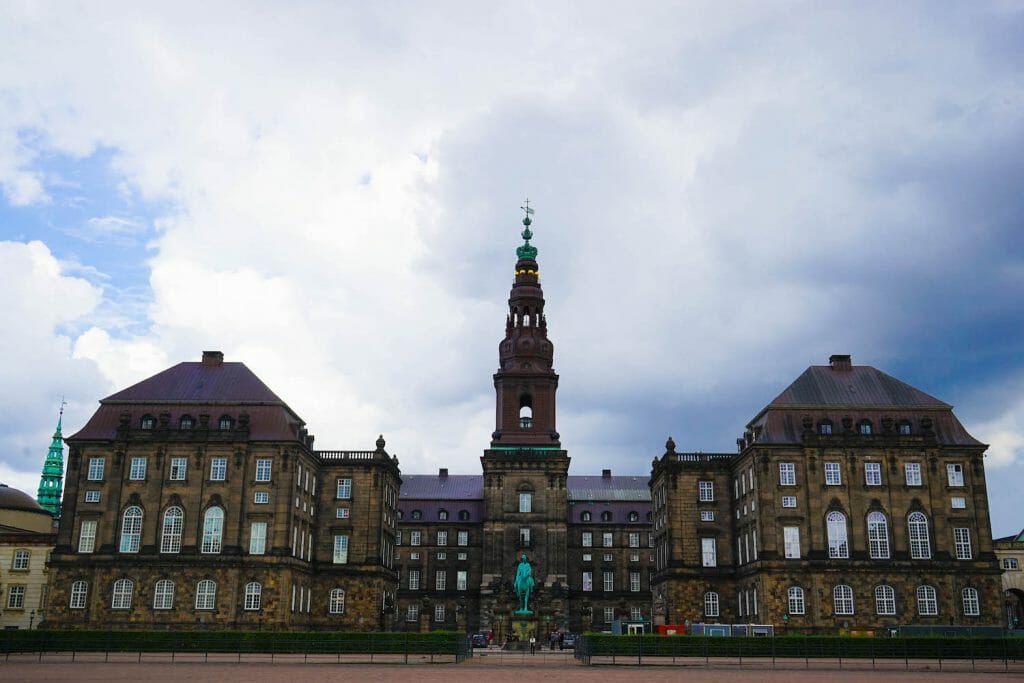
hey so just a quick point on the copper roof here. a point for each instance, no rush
(14, 499)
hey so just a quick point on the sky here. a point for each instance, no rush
(329, 192)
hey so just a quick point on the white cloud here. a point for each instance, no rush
(1005, 436)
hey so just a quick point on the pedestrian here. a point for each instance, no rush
(533, 645)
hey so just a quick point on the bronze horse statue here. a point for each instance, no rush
(524, 584)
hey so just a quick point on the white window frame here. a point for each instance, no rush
(609, 615)
(927, 601)
(213, 531)
(336, 602)
(707, 515)
(87, 536)
(838, 537)
(789, 501)
(525, 501)
(787, 474)
(461, 580)
(253, 596)
(258, 538)
(440, 579)
(171, 529)
(121, 595)
(971, 602)
(340, 554)
(343, 490)
(842, 600)
(709, 552)
(962, 543)
(137, 468)
(795, 600)
(206, 594)
(442, 537)
(179, 466)
(439, 613)
(587, 539)
(878, 535)
(96, 468)
(261, 497)
(414, 579)
(415, 537)
(92, 496)
(833, 474)
(131, 529)
(885, 600)
(412, 613)
(919, 535)
(218, 469)
(955, 473)
(634, 539)
(958, 503)
(463, 538)
(341, 513)
(873, 474)
(20, 561)
(608, 581)
(264, 470)
(706, 491)
(634, 582)
(607, 539)
(791, 542)
(79, 595)
(712, 604)
(588, 581)
(912, 473)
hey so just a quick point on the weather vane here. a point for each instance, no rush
(62, 404)
(526, 208)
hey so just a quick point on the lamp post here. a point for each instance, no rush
(31, 618)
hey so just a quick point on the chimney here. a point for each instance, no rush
(606, 474)
(840, 361)
(213, 358)
(442, 472)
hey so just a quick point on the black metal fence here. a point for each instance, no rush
(271, 646)
(963, 654)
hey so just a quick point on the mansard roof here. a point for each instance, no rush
(199, 383)
(442, 487)
(609, 488)
(857, 386)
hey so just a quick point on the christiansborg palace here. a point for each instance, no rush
(196, 498)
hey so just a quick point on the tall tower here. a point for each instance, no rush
(51, 481)
(525, 469)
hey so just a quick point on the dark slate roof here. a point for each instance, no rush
(617, 488)
(266, 423)
(1015, 538)
(14, 499)
(199, 383)
(430, 511)
(860, 385)
(436, 487)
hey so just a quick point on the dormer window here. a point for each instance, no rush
(225, 422)
(463, 515)
(606, 516)
(186, 422)
(864, 427)
(417, 514)
(442, 515)
(903, 427)
(634, 516)
(585, 517)
(147, 422)
(825, 427)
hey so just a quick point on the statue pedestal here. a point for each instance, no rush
(523, 626)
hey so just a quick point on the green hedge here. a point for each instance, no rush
(830, 647)
(319, 642)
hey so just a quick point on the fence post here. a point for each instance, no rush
(639, 649)
(773, 650)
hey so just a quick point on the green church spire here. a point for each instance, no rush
(527, 250)
(51, 483)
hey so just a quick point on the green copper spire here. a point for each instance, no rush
(527, 250)
(51, 483)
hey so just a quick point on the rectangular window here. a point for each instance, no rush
(261, 497)
(524, 536)
(607, 557)
(442, 538)
(1008, 562)
(787, 474)
(706, 491)
(258, 538)
(438, 612)
(92, 496)
(789, 501)
(79, 591)
(832, 474)
(87, 536)
(526, 502)
(634, 539)
(442, 556)
(958, 502)
(606, 538)
(263, 469)
(341, 549)
(414, 556)
(634, 557)
(636, 614)
(218, 469)
(791, 541)
(955, 474)
(414, 579)
(709, 555)
(137, 469)
(962, 539)
(588, 581)
(415, 537)
(463, 556)
(178, 467)
(609, 615)
(412, 613)
(16, 597)
(587, 557)
(707, 515)
(96, 466)
(912, 471)
(873, 473)
(609, 581)
(463, 538)
(588, 539)
(440, 579)
(341, 513)
(344, 489)
(20, 561)
(634, 582)
(461, 580)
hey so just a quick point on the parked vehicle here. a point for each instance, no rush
(568, 641)
(478, 640)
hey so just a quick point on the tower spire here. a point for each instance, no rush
(51, 483)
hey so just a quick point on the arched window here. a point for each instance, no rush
(147, 422)
(163, 594)
(885, 600)
(838, 545)
(796, 600)
(606, 516)
(711, 604)
(186, 422)
(337, 603)
(225, 422)
(864, 427)
(825, 427)
(525, 411)
(170, 535)
(585, 516)
(121, 598)
(634, 516)
(131, 529)
(206, 594)
(972, 606)
(463, 515)
(842, 599)
(917, 529)
(253, 595)
(442, 515)
(927, 601)
(213, 530)
(79, 593)
(878, 536)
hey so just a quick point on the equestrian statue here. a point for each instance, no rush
(523, 586)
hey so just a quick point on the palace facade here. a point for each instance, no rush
(196, 498)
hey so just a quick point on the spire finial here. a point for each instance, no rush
(527, 250)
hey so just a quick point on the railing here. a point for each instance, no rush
(345, 455)
(789, 652)
(234, 646)
(703, 457)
